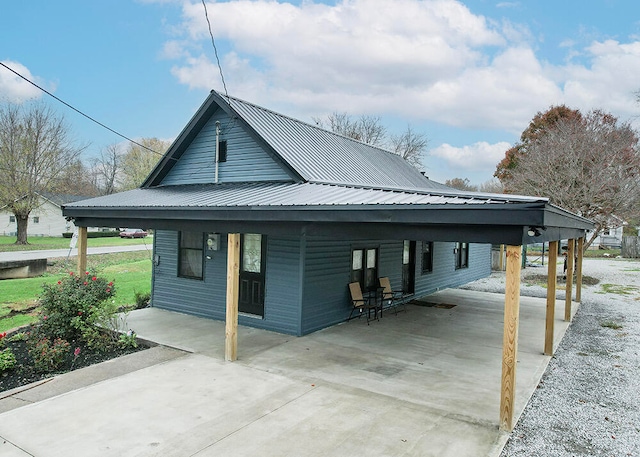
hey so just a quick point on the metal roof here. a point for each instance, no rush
(322, 156)
(271, 194)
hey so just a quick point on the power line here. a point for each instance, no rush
(215, 49)
(80, 112)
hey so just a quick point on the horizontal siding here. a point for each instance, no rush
(444, 274)
(246, 160)
(326, 299)
(204, 298)
(207, 298)
(282, 289)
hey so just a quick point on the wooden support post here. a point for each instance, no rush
(233, 274)
(569, 276)
(552, 276)
(82, 249)
(510, 337)
(580, 256)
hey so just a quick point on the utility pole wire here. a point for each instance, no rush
(80, 112)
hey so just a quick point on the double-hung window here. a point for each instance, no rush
(191, 258)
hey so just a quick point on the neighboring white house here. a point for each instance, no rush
(46, 220)
(611, 235)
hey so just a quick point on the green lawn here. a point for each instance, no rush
(7, 243)
(130, 272)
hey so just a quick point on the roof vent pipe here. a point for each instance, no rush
(217, 148)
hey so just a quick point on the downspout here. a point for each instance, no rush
(217, 149)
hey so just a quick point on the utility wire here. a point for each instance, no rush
(215, 49)
(80, 112)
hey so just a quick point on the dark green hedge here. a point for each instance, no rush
(94, 234)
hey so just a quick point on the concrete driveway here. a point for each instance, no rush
(423, 383)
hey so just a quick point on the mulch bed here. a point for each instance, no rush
(25, 372)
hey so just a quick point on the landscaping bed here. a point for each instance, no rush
(25, 371)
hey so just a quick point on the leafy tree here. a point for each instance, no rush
(587, 164)
(540, 123)
(409, 145)
(138, 162)
(35, 149)
(461, 184)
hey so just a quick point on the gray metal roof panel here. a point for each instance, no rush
(286, 195)
(319, 155)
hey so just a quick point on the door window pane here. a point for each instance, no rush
(356, 263)
(252, 253)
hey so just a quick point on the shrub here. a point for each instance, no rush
(142, 299)
(48, 355)
(7, 360)
(75, 306)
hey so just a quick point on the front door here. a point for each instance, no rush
(409, 267)
(252, 268)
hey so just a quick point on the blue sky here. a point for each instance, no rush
(468, 74)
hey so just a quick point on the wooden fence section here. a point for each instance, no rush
(631, 247)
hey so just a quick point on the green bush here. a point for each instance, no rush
(48, 355)
(7, 360)
(142, 299)
(76, 306)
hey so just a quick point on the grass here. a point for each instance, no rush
(130, 271)
(619, 289)
(7, 243)
(611, 324)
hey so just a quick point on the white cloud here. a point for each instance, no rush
(421, 60)
(609, 82)
(12, 87)
(480, 156)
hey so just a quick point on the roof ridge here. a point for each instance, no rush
(298, 121)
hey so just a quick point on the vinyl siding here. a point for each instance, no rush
(444, 274)
(323, 300)
(326, 299)
(207, 297)
(246, 160)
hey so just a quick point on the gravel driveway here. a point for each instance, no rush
(588, 401)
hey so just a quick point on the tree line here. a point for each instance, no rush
(588, 163)
(38, 153)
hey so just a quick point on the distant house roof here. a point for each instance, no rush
(339, 187)
(62, 199)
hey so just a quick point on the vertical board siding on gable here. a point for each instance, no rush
(246, 160)
(207, 298)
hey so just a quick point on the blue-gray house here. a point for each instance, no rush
(315, 211)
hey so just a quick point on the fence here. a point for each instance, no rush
(631, 247)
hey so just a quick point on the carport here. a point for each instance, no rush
(438, 216)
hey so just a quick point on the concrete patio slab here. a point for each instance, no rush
(423, 383)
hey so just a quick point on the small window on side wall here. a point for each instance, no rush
(427, 257)
(36, 219)
(12, 218)
(191, 258)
